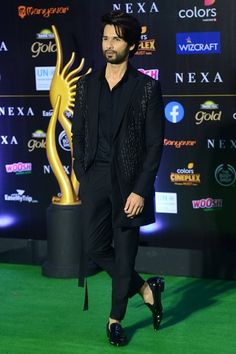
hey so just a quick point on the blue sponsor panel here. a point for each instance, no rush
(198, 43)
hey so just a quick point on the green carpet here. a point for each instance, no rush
(40, 315)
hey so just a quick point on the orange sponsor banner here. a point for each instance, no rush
(24, 11)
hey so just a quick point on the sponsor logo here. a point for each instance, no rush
(47, 113)
(234, 115)
(205, 115)
(221, 144)
(3, 47)
(39, 48)
(174, 112)
(179, 143)
(153, 73)
(186, 176)
(16, 111)
(205, 14)
(225, 175)
(24, 11)
(201, 77)
(19, 196)
(47, 169)
(19, 168)
(8, 140)
(146, 45)
(35, 144)
(63, 141)
(45, 34)
(136, 7)
(43, 77)
(198, 43)
(207, 204)
(166, 203)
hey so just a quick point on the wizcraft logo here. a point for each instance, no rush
(198, 43)
(205, 14)
(146, 45)
(136, 7)
(24, 11)
(185, 176)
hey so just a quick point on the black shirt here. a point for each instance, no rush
(108, 107)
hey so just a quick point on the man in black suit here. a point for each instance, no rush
(117, 135)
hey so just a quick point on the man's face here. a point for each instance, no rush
(115, 49)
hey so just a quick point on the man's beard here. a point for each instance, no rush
(113, 57)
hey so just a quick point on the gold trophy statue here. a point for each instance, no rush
(63, 215)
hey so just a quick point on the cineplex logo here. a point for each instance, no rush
(186, 176)
(147, 45)
(19, 196)
(136, 7)
(207, 204)
(206, 13)
(24, 11)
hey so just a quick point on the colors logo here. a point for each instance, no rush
(174, 112)
(209, 2)
(198, 43)
(185, 176)
(204, 14)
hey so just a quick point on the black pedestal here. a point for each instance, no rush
(63, 238)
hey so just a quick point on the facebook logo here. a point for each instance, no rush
(174, 112)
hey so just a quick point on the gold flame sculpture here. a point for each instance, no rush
(62, 98)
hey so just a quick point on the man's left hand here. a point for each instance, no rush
(134, 205)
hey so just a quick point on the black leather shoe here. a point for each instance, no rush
(157, 287)
(116, 334)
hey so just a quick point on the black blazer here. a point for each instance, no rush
(137, 140)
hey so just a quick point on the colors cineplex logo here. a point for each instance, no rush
(198, 43)
(185, 176)
(225, 175)
(179, 143)
(209, 113)
(150, 72)
(146, 45)
(19, 196)
(19, 168)
(174, 112)
(24, 11)
(137, 7)
(205, 14)
(207, 204)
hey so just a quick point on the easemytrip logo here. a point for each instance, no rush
(186, 176)
(47, 113)
(63, 141)
(209, 113)
(38, 141)
(136, 7)
(19, 168)
(205, 14)
(174, 112)
(43, 77)
(146, 45)
(207, 204)
(20, 197)
(24, 11)
(225, 175)
(198, 43)
(153, 73)
(177, 144)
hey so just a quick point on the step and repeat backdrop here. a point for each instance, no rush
(190, 47)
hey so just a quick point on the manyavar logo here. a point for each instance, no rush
(206, 14)
(208, 204)
(198, 43)
(185, 176)
(45, 34)
(153, 73)
(24, 11)
(209, 113)
(38, 141)
(179, 143)
(225, 175)
(16, 111)
(198, 77)
(3, 47)
(146, 45)
(19, 168)
(19, 196)
(136, 7)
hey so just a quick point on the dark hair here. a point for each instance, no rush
(126, 27)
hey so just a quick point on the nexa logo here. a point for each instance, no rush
(208, 14)
(3, 47)
(202, 78)
(6, 140)
(16, 111)
(138, 8)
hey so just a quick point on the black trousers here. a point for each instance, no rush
(113, 249)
